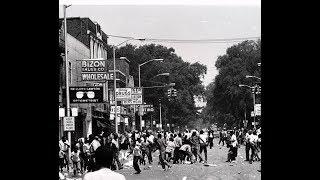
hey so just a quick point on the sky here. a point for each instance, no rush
(185, 22)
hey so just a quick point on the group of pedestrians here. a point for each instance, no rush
(234, 138)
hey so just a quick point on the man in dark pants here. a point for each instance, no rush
(203, 145)
(178, 144)
(195, 146)
(136, 151)
(222, 138)
(161, 143)
(247, 145)
(210, 138)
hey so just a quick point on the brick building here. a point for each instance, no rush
(86, 40)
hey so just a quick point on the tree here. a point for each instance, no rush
(225, 99)
(186, 76)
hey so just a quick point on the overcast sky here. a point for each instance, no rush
(177, 22)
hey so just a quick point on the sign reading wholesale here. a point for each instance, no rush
(136, 97)
(95, 70)
(86, 94)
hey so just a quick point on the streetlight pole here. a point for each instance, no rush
(67, 73)
(254, 104)
(115, 84)
(160, 116)
(139, 67)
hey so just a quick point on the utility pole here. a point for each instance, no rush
(67, 74)
(160, 115)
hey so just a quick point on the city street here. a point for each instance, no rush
(241, 170)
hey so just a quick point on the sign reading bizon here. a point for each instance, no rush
(95, 70)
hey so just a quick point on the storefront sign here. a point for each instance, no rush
(86, 94)
(136, 97)
(123, 94)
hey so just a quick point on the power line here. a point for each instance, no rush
(221, 40)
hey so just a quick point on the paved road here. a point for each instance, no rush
(241, 170)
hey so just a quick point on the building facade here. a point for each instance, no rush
(86, 40)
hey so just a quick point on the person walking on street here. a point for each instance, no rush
(195, 146)
(247, 144)
(64, 147)
(178, 144)
(137, 154)
(116, 150)
(161, 143)
(203, 145)
(210, 138)
(75, 157)
(221, 137)
(150, 146)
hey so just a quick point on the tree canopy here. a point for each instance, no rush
(186, 76)
(226, 101)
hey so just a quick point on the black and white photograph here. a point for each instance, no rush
(159, 90)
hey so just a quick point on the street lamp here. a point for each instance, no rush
(162, 74)
(144, 64)
(247, 76)
(254, 101)
(115, 83)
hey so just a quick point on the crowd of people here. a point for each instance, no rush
(187, 147)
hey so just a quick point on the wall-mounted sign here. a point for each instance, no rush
(94, 70)
(123, 93)
(61, 112)
(136, 97)
(68, 124)
(100, 76)
(257, 109)
(86, 94)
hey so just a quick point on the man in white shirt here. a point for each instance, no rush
(95, 143)
(203, 144)
(64, 146)
(103, 161)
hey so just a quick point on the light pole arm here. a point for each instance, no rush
(253, 77)
(150, 61)
(243, 85)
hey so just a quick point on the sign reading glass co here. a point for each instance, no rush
(86, 94)
(68, 124)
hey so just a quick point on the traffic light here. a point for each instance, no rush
(174, 92)
(258, 90)
(169, 92)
